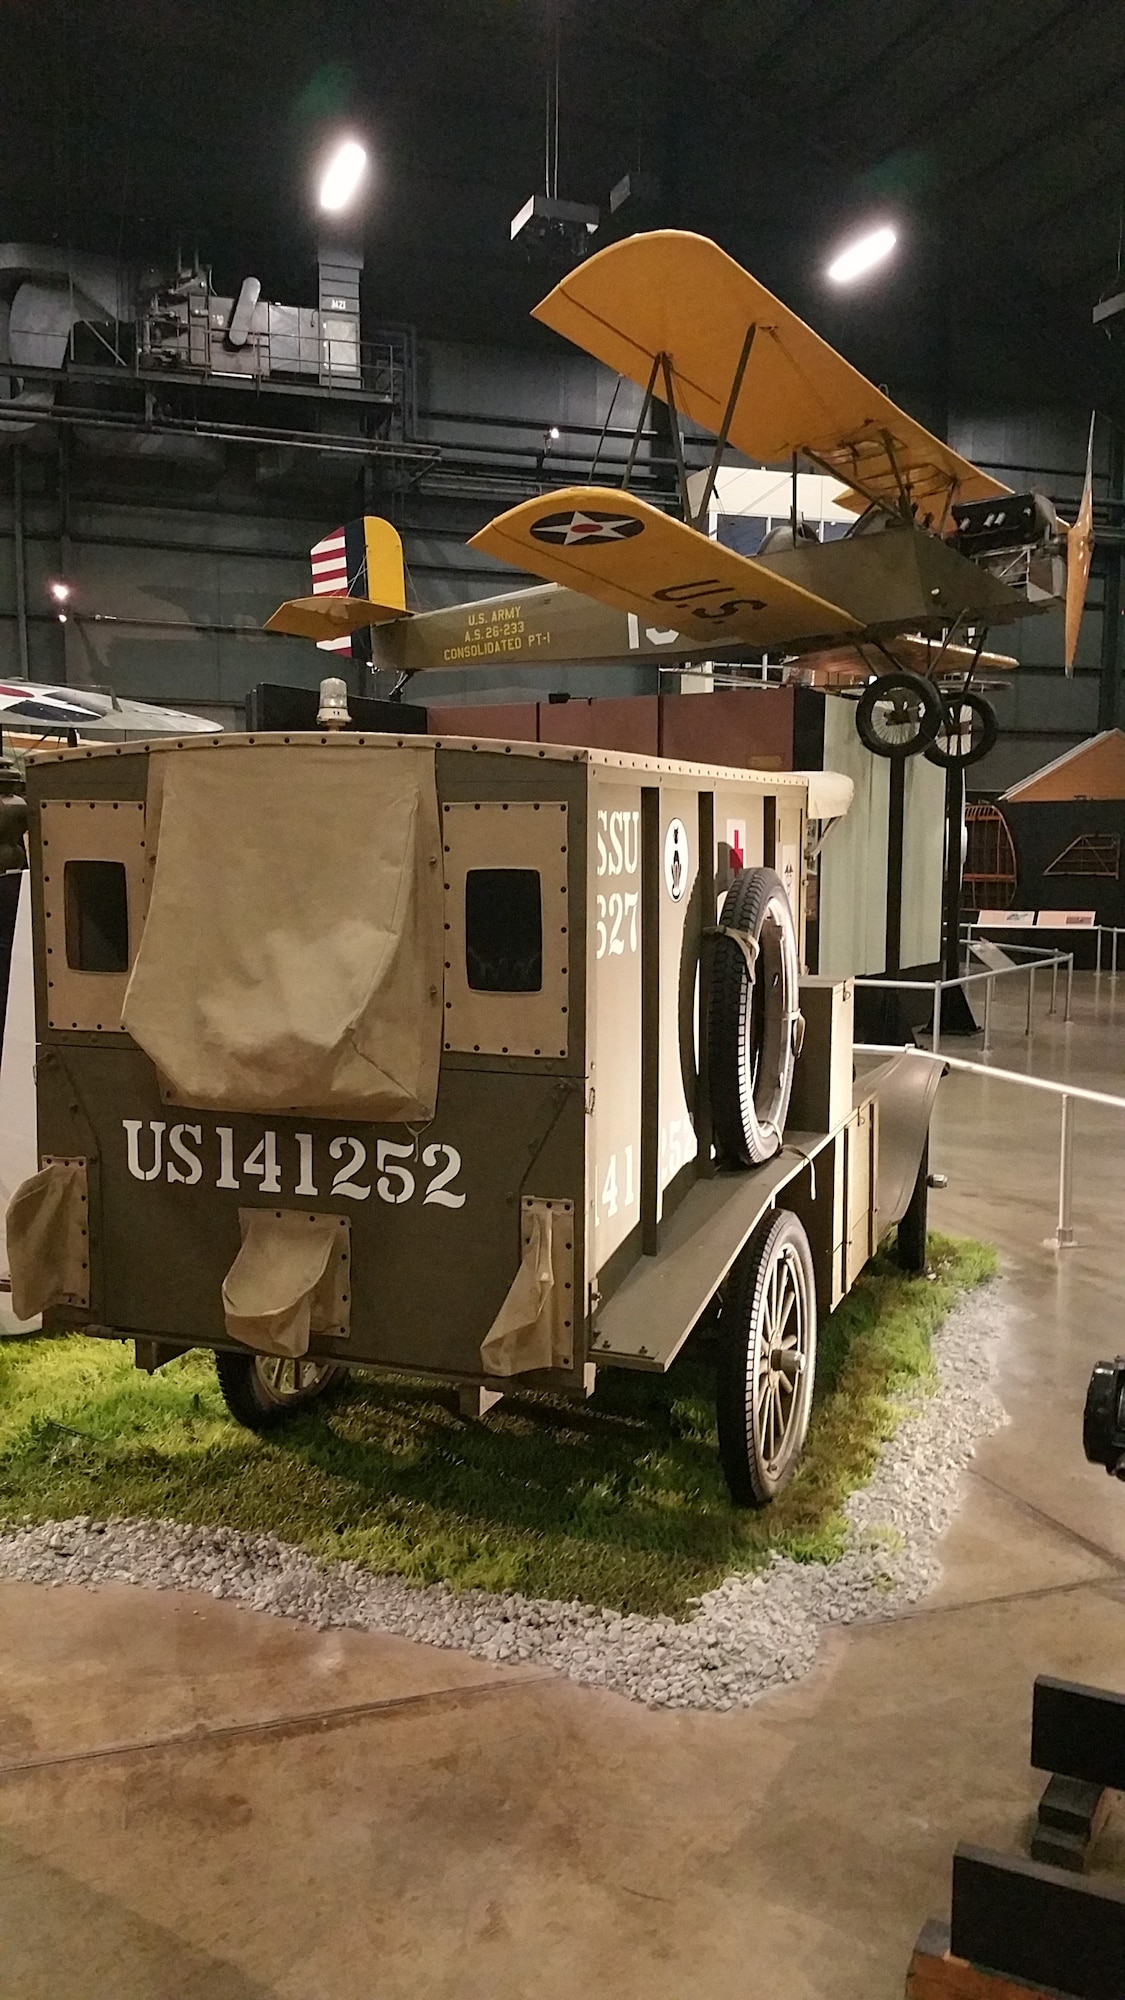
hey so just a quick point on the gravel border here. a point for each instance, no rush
(751, 1633)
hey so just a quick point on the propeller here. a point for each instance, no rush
(1079, 549)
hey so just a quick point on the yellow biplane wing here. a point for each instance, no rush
(676, 294)
(617, 548)
(329, 617)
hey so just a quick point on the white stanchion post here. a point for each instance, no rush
(1064, 1238)
(986, 1045)
(1030, 996)
(937, 1015)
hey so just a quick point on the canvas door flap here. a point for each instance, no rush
(533, 1328)
(287, 1281)
(292, 957)
(48, 1239)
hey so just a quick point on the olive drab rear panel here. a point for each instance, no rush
(383, 1050)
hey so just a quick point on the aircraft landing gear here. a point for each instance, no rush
(899, 714)
(967, 733)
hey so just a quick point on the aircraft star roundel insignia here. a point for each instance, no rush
(567, 530)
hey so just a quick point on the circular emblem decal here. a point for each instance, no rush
(565, 530)
(676, 859)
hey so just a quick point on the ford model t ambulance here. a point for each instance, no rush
(488, 1062)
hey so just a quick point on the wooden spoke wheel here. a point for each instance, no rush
(264, 1390)
(767, 1360)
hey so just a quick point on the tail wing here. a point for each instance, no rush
(329, 618)
(358, 579)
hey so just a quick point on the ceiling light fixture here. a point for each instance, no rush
(862, 255)
(342, 176)
(60, 591)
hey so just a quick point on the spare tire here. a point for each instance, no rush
(753, 1022)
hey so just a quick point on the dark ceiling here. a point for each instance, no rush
(991, 131)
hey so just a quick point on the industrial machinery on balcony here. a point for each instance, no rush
(72, 313)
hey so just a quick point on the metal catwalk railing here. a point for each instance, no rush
(1035, 961)
(969, 932)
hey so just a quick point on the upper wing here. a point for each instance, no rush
(329, 617)
(678, 294)
(620, 550)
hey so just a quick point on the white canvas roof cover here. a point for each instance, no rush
(292, 957)
(830, 794)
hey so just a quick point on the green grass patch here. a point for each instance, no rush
(618, 1502)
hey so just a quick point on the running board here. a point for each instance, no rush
(646, 1322)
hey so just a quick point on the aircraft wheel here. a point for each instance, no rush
(752, 1027)
(263, 1390)
(968, 731)
(898, 714)
(767, 1360)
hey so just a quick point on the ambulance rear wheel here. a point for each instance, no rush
(767, 1360)
(899, 714)
(263, 1390)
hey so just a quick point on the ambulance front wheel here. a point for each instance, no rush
(910, 1238)
(263, 1391)
(767, 1360)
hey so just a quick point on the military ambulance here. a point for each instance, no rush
(486, 1062)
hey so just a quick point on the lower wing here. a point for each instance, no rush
(620, 550)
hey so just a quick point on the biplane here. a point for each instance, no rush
(898, 608)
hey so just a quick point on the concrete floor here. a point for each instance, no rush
(201, 1803)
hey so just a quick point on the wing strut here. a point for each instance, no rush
(641, 421)
(905, 507)
(973, 663)
(852, 479)
(699, 520)
(677, 438)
